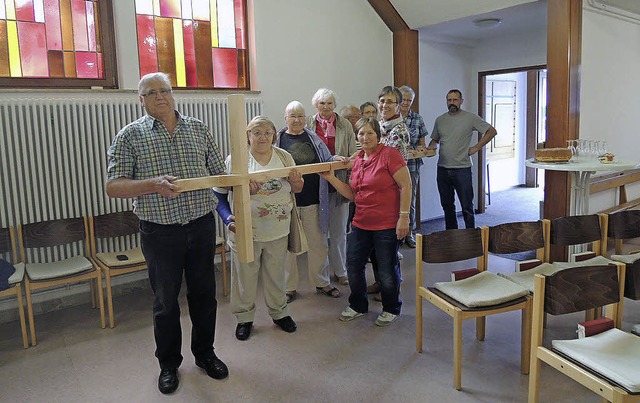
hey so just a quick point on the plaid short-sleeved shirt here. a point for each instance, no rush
(144, 149)
(417, 130)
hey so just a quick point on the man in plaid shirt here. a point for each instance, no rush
(177, 230)
(417, 134)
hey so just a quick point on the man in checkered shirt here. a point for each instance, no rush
(177, 230)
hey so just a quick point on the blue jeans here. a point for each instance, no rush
(170, 252)
(385, 244)
(460, 181)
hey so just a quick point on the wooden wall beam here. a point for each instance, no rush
(564, 41)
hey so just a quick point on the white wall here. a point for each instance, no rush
(445, 65)
(299, 47)
(610, 92)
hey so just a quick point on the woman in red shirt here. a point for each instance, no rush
(381, 188)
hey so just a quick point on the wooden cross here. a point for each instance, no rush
(240, 176)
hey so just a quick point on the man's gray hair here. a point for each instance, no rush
(147, 78)
(407, 89)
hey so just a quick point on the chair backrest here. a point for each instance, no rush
(54, 233)
(7, 245)
(116, 224)
(624, 224)
(581, 288)
(519, 237)
(452, 245)
(576, 230)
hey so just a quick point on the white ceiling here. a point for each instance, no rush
(452, 20)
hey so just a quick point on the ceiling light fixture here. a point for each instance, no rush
(486, 23)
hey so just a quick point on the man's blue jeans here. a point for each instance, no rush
(460, 181)
(385, 244)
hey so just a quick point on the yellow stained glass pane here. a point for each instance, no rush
(11, 10)
(70, 65)
(14, 49)
(214, 23)
(4, 49)
(178, 38)
(66, 24)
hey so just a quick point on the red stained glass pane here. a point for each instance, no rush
(190, 54)
(147, 52)
(171, 8)
(33, 49)
(166, 47)
(86, 65)
(66, 23)
(52, 22)
(242, 69)
(69, 64)
(91, 28)
(4, 50)
(202, 36)
(56, 64)
(240, 27)
(79, 17)
(24, 11)
(225, 68)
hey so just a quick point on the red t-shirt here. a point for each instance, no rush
(329, 141)
(377, 195)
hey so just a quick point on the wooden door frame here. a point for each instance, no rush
(482, 90)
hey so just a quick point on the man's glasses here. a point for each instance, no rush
(386, 102)
(153, 93)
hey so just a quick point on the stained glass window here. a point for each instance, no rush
(199, 43)
(54, 39)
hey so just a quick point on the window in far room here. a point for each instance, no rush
(199, 43)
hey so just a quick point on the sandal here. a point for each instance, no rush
(291, 295)
(332, 292)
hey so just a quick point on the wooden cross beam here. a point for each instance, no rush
(240, 176)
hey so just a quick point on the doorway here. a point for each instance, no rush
(514, 102)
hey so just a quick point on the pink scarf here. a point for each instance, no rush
(327, 124)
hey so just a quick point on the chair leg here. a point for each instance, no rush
(32, 326)
(457, 351)
(23, 322)
(534, 377)
(92, 287)
(480, 327)
(103, 323)
(107, 279)
(525, 337)
(418, 323)
(225, 286)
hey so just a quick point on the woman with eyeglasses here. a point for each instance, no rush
(271, 204)
(381, 188)
(313, 201)
(337, 133)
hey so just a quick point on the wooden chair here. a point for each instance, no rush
(114, 239)
(476, 297)
(64, 244)
(576, 231)
(606, 363)
(625, 225)
(9, 253)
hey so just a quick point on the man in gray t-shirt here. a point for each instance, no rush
(453, 131)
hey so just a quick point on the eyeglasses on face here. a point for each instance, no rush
(386, 102)
(264, 135)
(153, 93)
(296, 117)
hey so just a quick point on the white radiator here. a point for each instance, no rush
(53, 149)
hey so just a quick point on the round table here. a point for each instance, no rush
(581, 172)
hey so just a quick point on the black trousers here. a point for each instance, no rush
(171, 251)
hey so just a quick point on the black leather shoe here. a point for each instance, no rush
(410, 241)
(243, 330)
(214, 367)
(287, 324)
(168, 380)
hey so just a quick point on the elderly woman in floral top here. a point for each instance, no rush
(271, 204)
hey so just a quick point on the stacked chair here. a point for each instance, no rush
(606, 363)
(480, 295)
(9, 253)
(55, 253)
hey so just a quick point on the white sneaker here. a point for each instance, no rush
(386, 318)
(349, 314)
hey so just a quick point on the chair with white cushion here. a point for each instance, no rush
(606, 363)
(56, 253)
(475, 297)
(9, 253)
